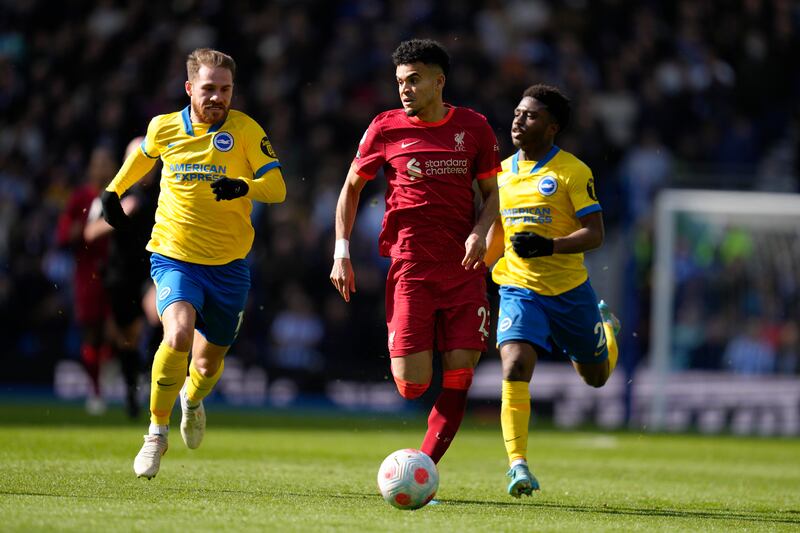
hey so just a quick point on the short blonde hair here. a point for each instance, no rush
(209, 58)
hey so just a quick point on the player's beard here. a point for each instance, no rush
(206, 113)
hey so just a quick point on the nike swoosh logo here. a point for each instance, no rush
(406, 145)
(165, 384)
(515, 438)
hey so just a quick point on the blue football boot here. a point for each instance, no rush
(608, 316)
(522, 481)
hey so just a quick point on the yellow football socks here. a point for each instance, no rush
(613, 351)
(200, 386)
(169, 374)
(515, 413)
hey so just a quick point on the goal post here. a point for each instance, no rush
(745, 267)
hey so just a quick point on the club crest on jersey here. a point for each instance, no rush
(459, 138)
(505, 324)
(223, 141)
(548, 186)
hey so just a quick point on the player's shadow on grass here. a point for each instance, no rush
(643, 511)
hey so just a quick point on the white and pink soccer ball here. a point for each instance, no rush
(408, 479)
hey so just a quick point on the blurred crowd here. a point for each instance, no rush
(664, 93)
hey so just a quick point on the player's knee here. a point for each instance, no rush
(458, 378)
(410, 391)
(206, 368)
(515, 369)
(179, 339)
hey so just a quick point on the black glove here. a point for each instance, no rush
(228, 189)
(528, 244)
(112, 211)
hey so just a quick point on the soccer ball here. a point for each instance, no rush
(408, 479)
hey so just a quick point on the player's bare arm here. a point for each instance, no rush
(494, 243)
(342, 275)
(589, 237)
(476, 242)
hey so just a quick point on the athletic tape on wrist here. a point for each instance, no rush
(341, 250)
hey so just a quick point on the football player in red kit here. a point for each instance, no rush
(90, 299)
(431, 153)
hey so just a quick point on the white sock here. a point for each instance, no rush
(156, 429)
(519, 462)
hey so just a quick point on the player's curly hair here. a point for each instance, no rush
(209, 58)
(426, 51)
(556, 102)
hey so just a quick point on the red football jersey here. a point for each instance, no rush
(90, 258)
(429, 168)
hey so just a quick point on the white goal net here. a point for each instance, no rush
(725, 317)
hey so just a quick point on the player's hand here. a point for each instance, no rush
(528, 244)
(476, 249)
(343, 277)
(228, 189)
(112, 211)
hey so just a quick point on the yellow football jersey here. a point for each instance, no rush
(546, 197)
(190, 224)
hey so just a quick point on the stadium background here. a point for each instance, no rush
(665, 94)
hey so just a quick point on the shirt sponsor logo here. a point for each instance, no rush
(414, 170)
(459, 138)
(527, 215)
(548, 186)
(223, 141)
(197, 171)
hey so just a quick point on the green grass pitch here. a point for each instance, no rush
(62, 471)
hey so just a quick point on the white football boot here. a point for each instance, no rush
(193, 422)
(148, 460)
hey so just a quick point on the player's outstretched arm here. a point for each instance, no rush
(96, 226)
(136, 166)
(342, 274)
(476, 242)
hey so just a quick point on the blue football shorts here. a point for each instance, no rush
(217, 292)
(569, 320)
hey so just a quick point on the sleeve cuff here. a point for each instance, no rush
(266, 168)
(367, 176)
(588, 210)
(489, 173)
(144, 151)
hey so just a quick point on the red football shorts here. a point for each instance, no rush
(90, 302)
(439, 303)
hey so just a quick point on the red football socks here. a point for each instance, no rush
(447, 413)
